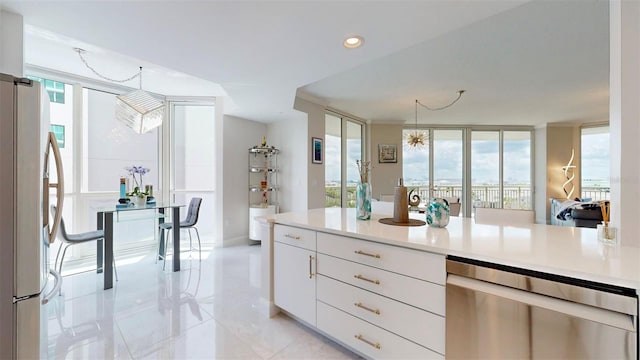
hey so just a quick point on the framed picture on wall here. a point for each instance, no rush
(316, 150)
(387, 153)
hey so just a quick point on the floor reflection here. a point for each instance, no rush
(209, 309)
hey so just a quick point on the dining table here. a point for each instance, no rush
(106, 216)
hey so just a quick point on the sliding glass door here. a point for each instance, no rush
(447, 164)
(437, 169)
(344, 144)
(485, 169)
(481, 167)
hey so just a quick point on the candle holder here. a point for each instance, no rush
(607, 234)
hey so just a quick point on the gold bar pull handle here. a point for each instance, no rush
(310, 270)
(290, 236)
(375, 345)
(360, 252)
(360, 277)
(375, 311)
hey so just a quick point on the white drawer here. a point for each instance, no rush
(368, 339)
(415, 263)
(421, 294)
(417, 325)
(295, 236)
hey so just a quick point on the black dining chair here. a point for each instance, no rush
(74, 239)
(188, 223)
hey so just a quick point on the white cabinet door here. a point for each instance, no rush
(294, 281)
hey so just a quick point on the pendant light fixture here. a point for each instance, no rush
(139, 110)
(418, 138)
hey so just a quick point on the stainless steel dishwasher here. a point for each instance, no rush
(500, 312)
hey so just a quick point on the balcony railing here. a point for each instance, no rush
(515, 197)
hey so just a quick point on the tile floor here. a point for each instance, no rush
(210, 309)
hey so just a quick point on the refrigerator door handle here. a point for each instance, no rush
(52, 144)
(56, 287)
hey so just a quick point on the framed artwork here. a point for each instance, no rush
(387, 153)
(316, 150)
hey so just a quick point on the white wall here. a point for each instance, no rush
(11, 44)
(315, 172)
(384, 177)
(541, 199)
(624, 118)
(238, 136)
(290, 136)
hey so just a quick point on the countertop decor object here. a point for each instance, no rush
(606, 233)
(363, 201)
(438, 213)
(401, 208)
(363, 191)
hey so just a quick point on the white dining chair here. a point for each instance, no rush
(494, 216)
(382, 207)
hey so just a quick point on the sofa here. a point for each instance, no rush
(575, 213)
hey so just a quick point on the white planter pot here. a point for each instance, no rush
(139, 201)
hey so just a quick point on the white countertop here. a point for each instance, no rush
(568, 251)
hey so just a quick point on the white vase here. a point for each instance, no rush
(139, 201)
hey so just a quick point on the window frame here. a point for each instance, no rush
(581, 168)
(344, 121)
(467, 157)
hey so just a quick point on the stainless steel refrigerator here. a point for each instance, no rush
(26, 145)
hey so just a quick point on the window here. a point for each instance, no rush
(344, 145)
(485, 168)
(516, 170)
(436, 170)
(111, 146)
(594, 163)
(192, 161)
(58, 131)
(496, 172)
(55, 89)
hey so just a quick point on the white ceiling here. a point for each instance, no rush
(520, 62)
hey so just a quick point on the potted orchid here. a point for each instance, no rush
(138, 196)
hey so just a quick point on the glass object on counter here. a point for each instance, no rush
(606, 233)
(363, 201)
(438, 213)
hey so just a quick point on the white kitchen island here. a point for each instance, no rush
(340, 275)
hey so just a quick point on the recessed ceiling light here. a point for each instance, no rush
(353, 42)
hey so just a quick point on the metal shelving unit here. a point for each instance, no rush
(263, 185)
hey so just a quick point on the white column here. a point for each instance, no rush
(219, 176)
(11, 44)
(624, 119)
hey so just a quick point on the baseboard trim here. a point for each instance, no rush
(235, 241)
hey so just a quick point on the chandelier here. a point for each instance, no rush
(138, 110)
(418, 138)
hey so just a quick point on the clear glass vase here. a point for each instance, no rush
(363, 201)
